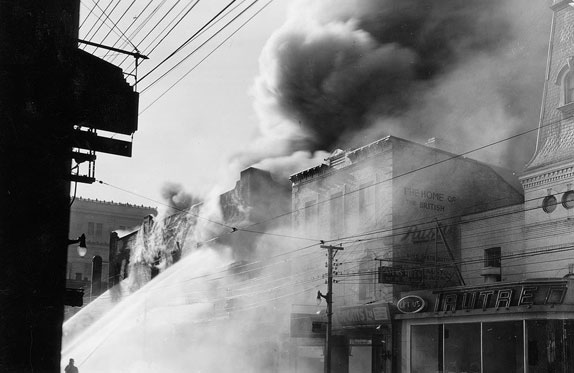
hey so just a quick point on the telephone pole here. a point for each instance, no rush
(331, 250)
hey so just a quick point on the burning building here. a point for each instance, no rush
(423, 231)
(396, 207)
(159, 244)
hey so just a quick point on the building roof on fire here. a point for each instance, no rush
(340, 159)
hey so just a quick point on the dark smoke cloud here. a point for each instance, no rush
(337, 73)
(177, 198)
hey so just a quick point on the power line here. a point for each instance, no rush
(204, 58)
(127, 29)
(186, 42)
(115, 26)
(103, 12)
(153, 28)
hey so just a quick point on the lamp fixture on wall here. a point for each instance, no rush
(82, 249)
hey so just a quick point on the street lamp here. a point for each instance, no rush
(82, 249)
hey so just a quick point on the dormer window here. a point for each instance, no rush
(565, 80)
(568, 84)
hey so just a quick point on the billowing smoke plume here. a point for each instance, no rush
(342, 74)
(177, 198)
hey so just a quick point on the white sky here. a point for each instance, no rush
(186, 136)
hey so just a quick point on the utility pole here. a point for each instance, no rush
(331, 250)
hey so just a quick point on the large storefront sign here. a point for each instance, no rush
(497, 296)
(494, 296)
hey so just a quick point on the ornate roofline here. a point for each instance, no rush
(546, 176)
(335, 161)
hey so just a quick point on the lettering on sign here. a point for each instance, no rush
(361, 315)
(416, 235)
(411, 304)
(427, 199)
(503, 297)
(403, 275)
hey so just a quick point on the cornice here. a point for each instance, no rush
(547, 176)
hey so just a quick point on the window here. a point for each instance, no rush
(492, 257)
(336, 215)
(99, 229)
(426, 348)
(568, 87)
(549, 204)
(310, 217)
(462, 348)
(90, 229)
(503, 346)
(367, 204)
(568, 199)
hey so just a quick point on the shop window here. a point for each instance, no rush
(550, 346)
(462, 348)
(426, 348)
(492, 257)
(503, 347)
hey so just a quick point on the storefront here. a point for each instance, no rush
(501, 327)
(361, 340)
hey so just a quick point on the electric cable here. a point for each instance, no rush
(131, 36)
(115, 25)
(149, 32)
(186, 42)
(202, 60)
(106, 17)
(91, 10)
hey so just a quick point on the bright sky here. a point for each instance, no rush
(186, 136)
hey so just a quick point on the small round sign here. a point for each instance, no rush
(411, 304)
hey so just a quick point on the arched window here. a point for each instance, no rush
(568, 85)
(565, 82)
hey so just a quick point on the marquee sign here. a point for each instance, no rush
(526, 294)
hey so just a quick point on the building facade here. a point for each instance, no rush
(396, 207)
(97, 219)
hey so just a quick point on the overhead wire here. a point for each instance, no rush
(131, 36)
(178, 49)
(115, 26)
(134, 34)
(106, 18)
(204, 58)
(89, 13)
(191, 7)
(103, 12)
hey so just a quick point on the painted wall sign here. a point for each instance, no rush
(411, 304)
